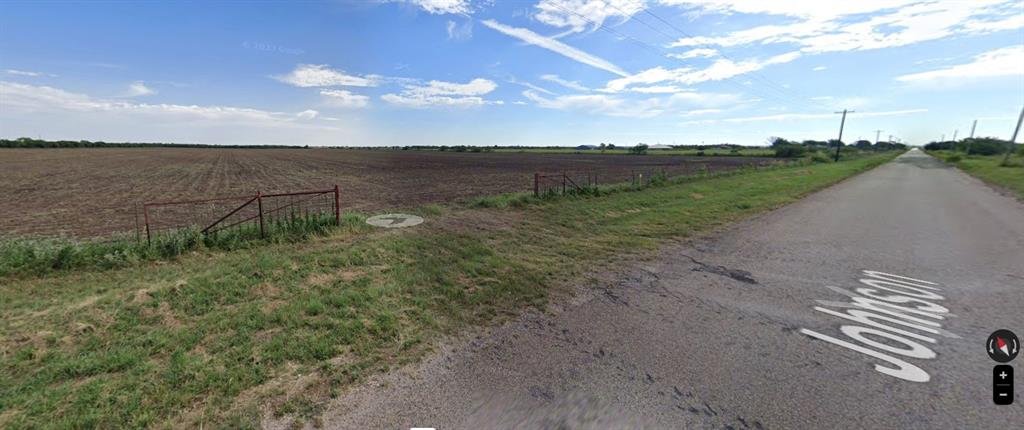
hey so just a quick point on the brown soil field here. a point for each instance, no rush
(91, 192)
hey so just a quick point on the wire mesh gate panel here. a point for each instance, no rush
(258, 211)
(562, 183)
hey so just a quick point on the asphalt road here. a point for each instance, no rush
(714, 333)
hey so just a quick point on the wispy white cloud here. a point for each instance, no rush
(27, 73)
(658, 89)
(555, 46)
(695, 53)
(24, 98)
(1008, 61)
(572, 85)
(805, 116)
(819, 68)
(314, 75)
(307, 114)
(618, 106)
(460, 32)
(858, 25)
(440, 7)
(533, 87)
(139, 89)
(721, 69)
(577, 15)
(54, 113)
(440, 93)
(697, 112)
(344, 99)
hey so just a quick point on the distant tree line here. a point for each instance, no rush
(785, 148)
(975, 146)
(28, 142)
(446, 148)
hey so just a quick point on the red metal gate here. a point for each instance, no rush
(223, 213)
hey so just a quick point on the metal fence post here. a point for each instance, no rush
(259, 206)
(145, 213)
(536, 184)
(563, 182)
(337, 205)
(138, 233)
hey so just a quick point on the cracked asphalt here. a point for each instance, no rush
(707, 333)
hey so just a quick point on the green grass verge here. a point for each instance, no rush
(205, 339)
(33, 257)
(989, 168)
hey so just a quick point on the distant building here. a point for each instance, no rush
(586, 147)
(658, 146)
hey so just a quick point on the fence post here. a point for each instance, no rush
(138, 234)
(145, 213)
(563, 182)
(259, 206)
(337, 206)
(536, 184)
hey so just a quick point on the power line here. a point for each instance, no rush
(780, 89)
(753, 74)
(660, 54)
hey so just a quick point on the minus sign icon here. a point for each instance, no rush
(1002, 394)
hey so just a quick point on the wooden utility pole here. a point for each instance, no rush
(1013, 140)
(839, 143)
(878, 133)
(970, 140)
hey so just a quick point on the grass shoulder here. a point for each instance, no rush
(211, 336)
(989, 168)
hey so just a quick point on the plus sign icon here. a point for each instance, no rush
(1002, 384)
(1002, 346)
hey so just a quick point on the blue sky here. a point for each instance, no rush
(540, 72)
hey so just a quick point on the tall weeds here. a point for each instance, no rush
(41, 256)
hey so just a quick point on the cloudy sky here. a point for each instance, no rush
(539, 72)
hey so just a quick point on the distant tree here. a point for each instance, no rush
(611, 146)
(639, 149)
(984, 145)
(862, 144)
(775, 141)
(789, 150)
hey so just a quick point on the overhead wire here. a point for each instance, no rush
(755, 74)
(660, 53)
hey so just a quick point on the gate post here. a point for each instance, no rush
(337, 206)
(259, 205)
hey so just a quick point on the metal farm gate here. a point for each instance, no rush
(562, 183)
(256, 211)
